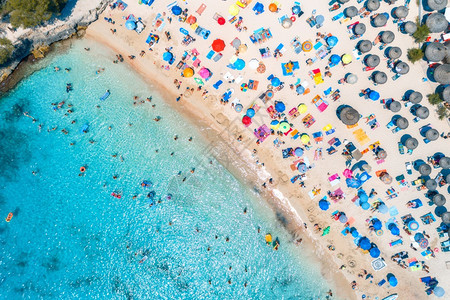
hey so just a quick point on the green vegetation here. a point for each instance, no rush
(434, 98)
(6, 49)
(422, 33)
(415, 54)
(442, 112)
(30, 13)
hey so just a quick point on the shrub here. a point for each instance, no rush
(442, 112)
(422, 33)
(6, 49)
(434, 98)
(415, 54)
(30, 13)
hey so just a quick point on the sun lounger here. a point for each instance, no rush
(396, 242)
(217, 84)
(201, 9)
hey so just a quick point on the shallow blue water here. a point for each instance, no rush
(69, 238)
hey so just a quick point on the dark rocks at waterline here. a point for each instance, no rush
(435, 52)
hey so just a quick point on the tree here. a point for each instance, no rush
(421, 33)
(6, 49)
(442, 112)
(30, 13)
(415, 54)
(434, 98)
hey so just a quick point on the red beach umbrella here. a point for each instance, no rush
(221, 21)
(246, 120)
(192, 19)
(218, 45)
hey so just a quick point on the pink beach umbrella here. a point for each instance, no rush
(204, 73)
(347, 173)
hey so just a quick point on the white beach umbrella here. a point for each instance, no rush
(253, 63)
(351, 78)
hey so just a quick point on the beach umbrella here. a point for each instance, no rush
(394, 52)
(436, 22)
(233, 10)
(204, 73)
(365, 205)
(395, 106)
(335, 59)
(401, 12)
(298, 151)
(386, 178)
(167, 56)
(307, 46)
(343, 218)
(411, 143)
(269, 94)
(424, 169)
(176, 10)
(354, 232)
(259, 7)
(346, 59)
(359, 29)
(432, 134)
(381, 155)
(350, 11)
(326, 231)
(347, 173)
(302, 168)
(349, 115)
(418, 236)
(402, 68)
(435, 52)
(394, 229)
(365, 46)
(380, 20)
(436, 4)
(300, 90)
(221, 20)
(246, 120)
(364, 243)
(431, 184)
(275, 82)
(253, 64)
(302, 108)
(392, 280)
(415, 97)
(438, 291)
(372, 61)
(192, 19)
(274, 124)
(402, 123)
(296, 9)
(447, 178)
(280, 107)
(188, 72)
(218, 45)
(324, 204)
(250, 112)
(383, 208)
(130, 24)
(287, 23)
(442, 74)
(410, 27)
(374, 95)
(236, 43)
(446, 94)
(422, 112)
(284, 126)
(444, 162)
(273, 7)
(387, 37)
(320, 19)
(239, 64)
(380, 77)
(374, 252)
(377, 224)
(446, 218)
(372, 5)
(305, 138)
(242, 48)
(332, 41)
(351, 78)
(238, 107)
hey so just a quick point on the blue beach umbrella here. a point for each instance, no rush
(383, 208)
(374, 95)
(363, 197)
(296, 9)
(335, 59)
(280, 107)
(176, 10)
(413, 225)
(298, 151)
(320, 19)
(392, 280)
(167, 56)
(259, 7)
(364, 243)
(324, 204)
(376, 224)
(418, 236)
(343, 218)
(394, 229)
(332, 41)
(275, 82)
(355, 233)
(365, 205)
(239, 64)
(250, 112)
(439, 292)
(238, 107)
(300, 89)
(374, 252)
(302, 168)
(130, 25)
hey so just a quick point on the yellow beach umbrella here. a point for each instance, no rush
(284, 126)
(233, 10)
(305, 138)
(188, 72)
(346, 59)
(274, 125)
(302, 108)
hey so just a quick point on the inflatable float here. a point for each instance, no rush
(116, 195)
(105, 95)
(268, 239)
(146, 183)
(9, 217)
(84, 128)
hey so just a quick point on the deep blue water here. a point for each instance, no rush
(69, 238)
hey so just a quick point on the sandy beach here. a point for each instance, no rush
(236, 145)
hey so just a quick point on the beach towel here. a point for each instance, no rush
(320, 103)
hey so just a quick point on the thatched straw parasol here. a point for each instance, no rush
(359, 29)
(432, 134)
(435, 51)
(446, 94)
(444, 162)
(381, 154)
(415, 97)
(395, 106)
(410, 27)
(387, 37)
(447, 178)
(402, 123)
(447, 56)
(351, 78)
(424, 169)
(446, 217)
(365, 46)
(437, 4)
(386, 178)
(287, 23)
(380, 77)
(422, 112)
(380, 20)
(350, 11)
(442, 74)
(411, 143)
(402, 68)
(439, 199)
(431, 184)
(372, 5)
(394, 52)
(437, 22)
(349, 115)
(372, 60)
(401, 12)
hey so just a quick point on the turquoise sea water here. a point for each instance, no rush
(69, 238)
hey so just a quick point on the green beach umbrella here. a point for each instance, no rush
(326, 231)
(198, 81)
(284, 127)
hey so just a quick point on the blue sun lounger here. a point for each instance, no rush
(210, 54)
(217, 84)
